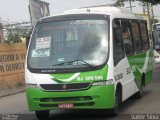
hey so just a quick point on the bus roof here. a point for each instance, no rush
(113, 12)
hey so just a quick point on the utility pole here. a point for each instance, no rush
(147, 10)
(153, 20)
(130, 5)
(149, 16)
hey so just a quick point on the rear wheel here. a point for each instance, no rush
(42, 115)
(139, 94)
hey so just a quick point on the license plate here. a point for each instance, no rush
(66, 105)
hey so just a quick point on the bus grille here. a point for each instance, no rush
(76, 104)
(66, 99)
(65, 87)
(78, 101)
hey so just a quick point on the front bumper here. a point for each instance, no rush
(96, 97)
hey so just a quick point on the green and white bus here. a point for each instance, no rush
(88, 58)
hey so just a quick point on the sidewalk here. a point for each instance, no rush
(4, 93)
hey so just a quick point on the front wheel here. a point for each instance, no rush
(114, 111)
(42, 115)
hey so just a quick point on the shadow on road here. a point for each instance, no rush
(132, 101)
(94, 114)
(80, 115)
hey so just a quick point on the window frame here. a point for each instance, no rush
(146, 29)
(131, 38)
(122, 54)
(140, 39)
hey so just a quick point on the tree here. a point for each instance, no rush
(15, 38)
(153, 2)
(148, 5)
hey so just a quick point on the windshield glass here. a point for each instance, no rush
(69, 44)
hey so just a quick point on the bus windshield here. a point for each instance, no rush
(69, 44)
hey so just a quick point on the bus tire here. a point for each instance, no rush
(42, 115)
(139, 94)
(114, 111)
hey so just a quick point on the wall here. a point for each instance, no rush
(12, 58)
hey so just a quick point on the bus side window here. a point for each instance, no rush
(136, 37)
(145, 41)
(118, 42)
(126, 33)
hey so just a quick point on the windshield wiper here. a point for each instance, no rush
(86, 63)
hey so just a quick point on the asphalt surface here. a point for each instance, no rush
(15, 106)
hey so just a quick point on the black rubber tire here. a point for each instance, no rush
(114, 111)
(139, 94)
(42, 115)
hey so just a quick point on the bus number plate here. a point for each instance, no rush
(66, 105)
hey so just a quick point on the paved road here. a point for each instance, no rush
(149, 104)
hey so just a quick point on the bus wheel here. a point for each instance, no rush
(115, 110)
(42, 115)
(139, 94)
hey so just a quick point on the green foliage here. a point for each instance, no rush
(153, 2)
(15, 38)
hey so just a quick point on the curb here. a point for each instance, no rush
(8, 92)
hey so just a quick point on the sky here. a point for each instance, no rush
(17, 10)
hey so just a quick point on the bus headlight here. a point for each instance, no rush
(101, 83)
(31, 85)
